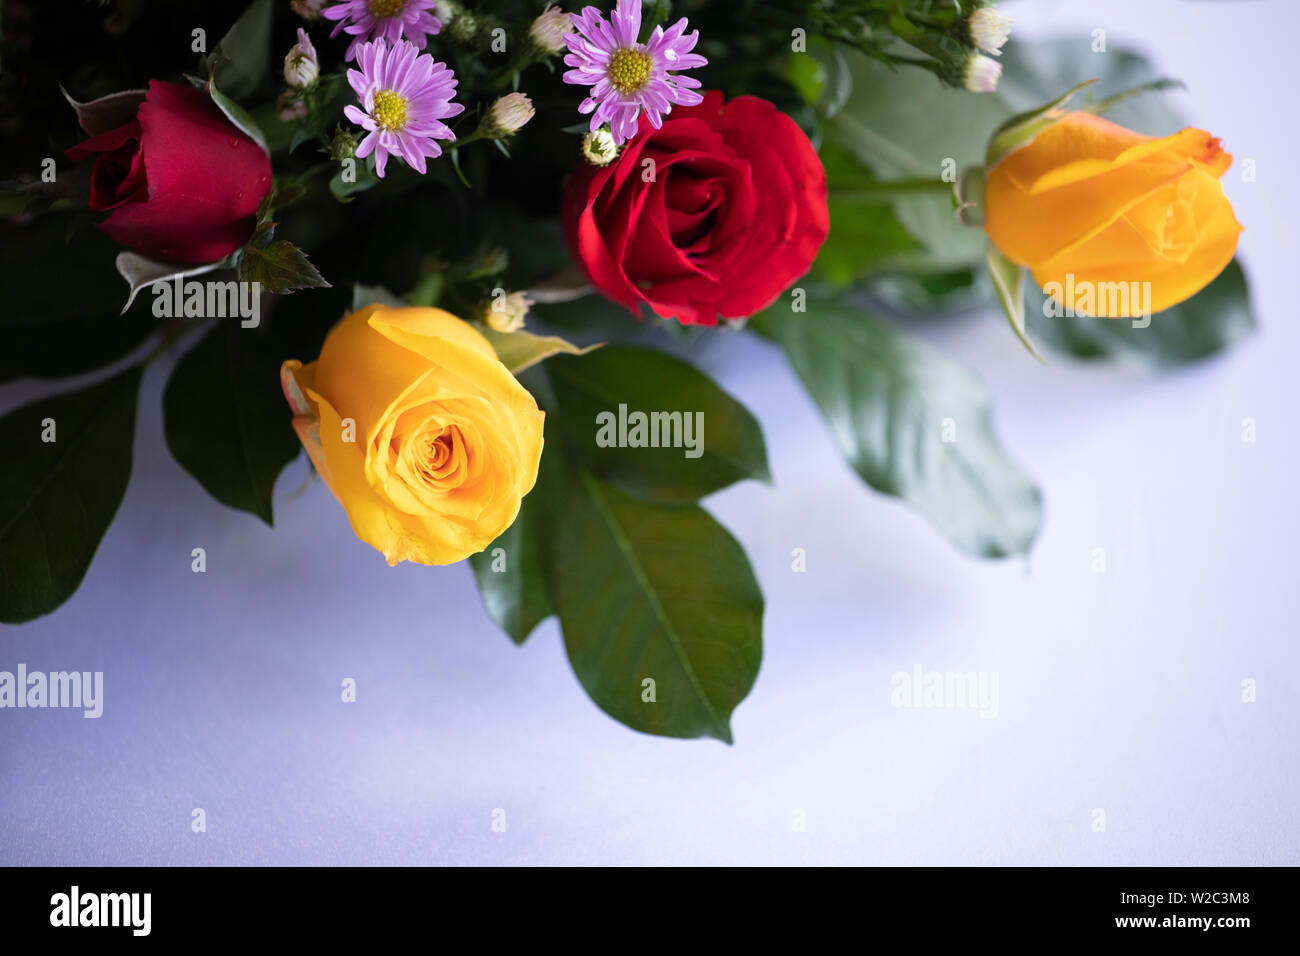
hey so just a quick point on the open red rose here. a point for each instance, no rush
(731, 211)
(183, 183)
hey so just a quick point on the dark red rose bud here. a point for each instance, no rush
(714, 214)
(183, 183)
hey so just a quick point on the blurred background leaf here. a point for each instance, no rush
(1193, 330)
(912, 423)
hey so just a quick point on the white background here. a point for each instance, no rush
(1119, 691)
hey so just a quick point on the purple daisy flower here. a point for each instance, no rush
(383, 19)
(626, 76)
(404, 94)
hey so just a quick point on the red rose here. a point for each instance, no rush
(182, 181)
(735, 211)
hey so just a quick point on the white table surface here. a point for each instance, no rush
(1118, 691)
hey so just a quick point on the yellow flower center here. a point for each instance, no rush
(629, 70)
(386, 8)
(389, 112)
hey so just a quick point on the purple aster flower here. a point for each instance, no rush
(626, 76)
(383, 19)
(404, 94)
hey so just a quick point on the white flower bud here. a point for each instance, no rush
(509, 114)
(599, 148)
(548, 30)
(981, 74)
(506, 313)
(445, 10)
(300, 65)
(307, 9)
(290, 108)
(989, 29)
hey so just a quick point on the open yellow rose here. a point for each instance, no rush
(425, 438)
(1089, 204)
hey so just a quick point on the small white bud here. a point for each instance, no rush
(506, 313)
(981, 74)
(300, 65)
(445, 11)
(989, 29)
(548, 30)
(290, 108)
(509, 114)
(599, 148)
(307, 9)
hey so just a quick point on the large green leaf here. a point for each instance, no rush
(661, 593)
(1207, 323)
(620, 380)
(912, 423)
(57, 498)
(226, 421)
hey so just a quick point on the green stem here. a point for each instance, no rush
(889, 191)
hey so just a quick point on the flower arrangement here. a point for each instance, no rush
(462, 254)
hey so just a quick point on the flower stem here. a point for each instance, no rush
(889, 191)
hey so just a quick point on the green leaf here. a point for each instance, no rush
(279, 267)
(661, 593)
(864, 237)
(1204, 325)
(226, 421)
(1009, 281)
(512, 572)
(930, 294)
(241, 60)
(912, 423)
(238, 116)
(522, 349)
(58, 498)
(613, 382)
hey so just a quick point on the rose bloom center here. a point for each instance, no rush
(389, 112)
(386, 8)
(628, 70)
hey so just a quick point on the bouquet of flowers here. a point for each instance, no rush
(462, 254)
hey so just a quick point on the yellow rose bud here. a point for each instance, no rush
(1089, 204)
(425, 438)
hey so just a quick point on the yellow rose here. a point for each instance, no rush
(1089, 202)
(425, 438)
